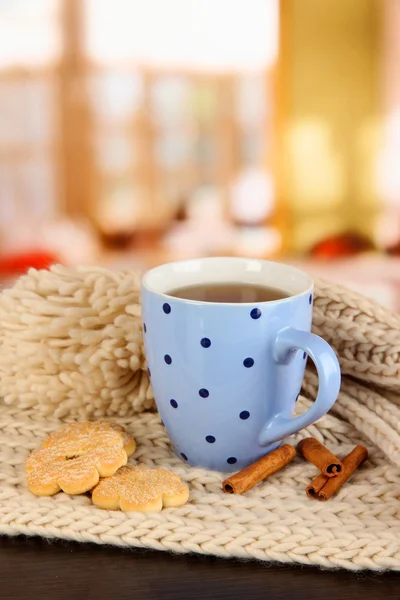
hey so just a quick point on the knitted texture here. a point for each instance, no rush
(71, 343)
(275, 521)
(365, 335)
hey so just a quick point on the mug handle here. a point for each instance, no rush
(288, 340)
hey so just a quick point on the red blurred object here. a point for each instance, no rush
(17, 264)
(394, 250)
(349, 244)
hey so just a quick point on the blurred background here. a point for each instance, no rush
(133, 133)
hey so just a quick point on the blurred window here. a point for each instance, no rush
(207, 35)
(127, 109)
(30, 48)
(30, 35)
(173, 90)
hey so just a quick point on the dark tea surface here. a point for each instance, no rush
(229, 292)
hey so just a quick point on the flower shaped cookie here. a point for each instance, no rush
(74, 458)
(140, 489)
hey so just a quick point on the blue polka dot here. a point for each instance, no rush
(210, 439)
(255, 313)
(149, 372)
(166, 308)
(204, 393)
(248, 362)
(231, 460)
(168, 359)
(184, 456)
(144, 327)
(304, 355)
(244, 415)
(205, 342)
(173, 403)
(310, 299)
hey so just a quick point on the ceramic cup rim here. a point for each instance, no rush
(158, 279)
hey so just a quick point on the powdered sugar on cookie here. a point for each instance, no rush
(80, 437)
(74, 458)
(140, 489)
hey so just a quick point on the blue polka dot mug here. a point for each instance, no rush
(226, 376)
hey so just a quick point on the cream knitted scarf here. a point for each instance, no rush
(71, 348)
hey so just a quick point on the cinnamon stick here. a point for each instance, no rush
(313, 489)
(263, 468)
(320, 456)
(322, 487)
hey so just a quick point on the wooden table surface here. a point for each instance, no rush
(32, 568)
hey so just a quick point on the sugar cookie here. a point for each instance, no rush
(140, 489)
(74, 458)
(92, 432)
(129, 442)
